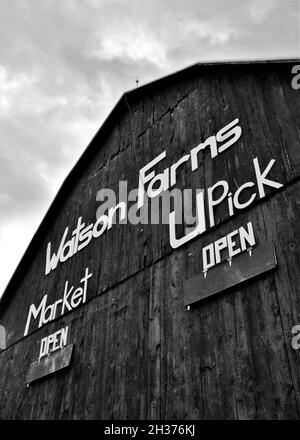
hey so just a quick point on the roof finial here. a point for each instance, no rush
(137, 81)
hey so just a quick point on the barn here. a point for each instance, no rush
(112, 315)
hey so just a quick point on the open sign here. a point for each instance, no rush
(53, 342)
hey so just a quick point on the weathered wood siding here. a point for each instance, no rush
(137, 352)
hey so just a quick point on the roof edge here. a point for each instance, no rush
(88, 152)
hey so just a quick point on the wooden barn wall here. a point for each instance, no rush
(138, 353)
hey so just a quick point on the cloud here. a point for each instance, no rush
(64, 64)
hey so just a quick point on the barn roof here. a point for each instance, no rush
(90, 151)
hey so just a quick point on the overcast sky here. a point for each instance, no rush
(65, 63)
